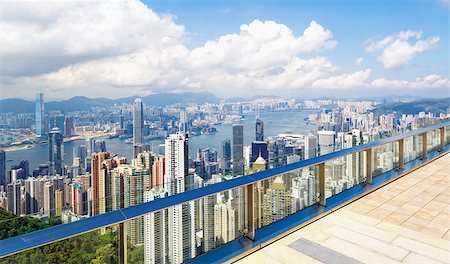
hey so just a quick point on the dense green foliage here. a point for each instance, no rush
(11, 225)
(93, 247)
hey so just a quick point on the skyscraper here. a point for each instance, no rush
(238, 149)
(2, 168)
(181, 231)
(39, 115)
(183, 120)
(259, 130)
(55, 152)
(138, 123)
(226, 156)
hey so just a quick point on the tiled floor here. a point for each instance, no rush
(406, 221)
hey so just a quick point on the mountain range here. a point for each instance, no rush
(80, 103)
(435, 106)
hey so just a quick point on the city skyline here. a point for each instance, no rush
(296, 50)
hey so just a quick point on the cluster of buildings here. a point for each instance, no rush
(99, 181)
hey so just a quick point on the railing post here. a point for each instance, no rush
(322, 184)
(123, 228)
(442, 138)
(251, 211)
(369, 163)
(401, 154)
(424, 145)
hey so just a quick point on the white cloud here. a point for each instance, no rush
(39, 37)
(430, 81)
(122, 48)
(399, 50)
(359, 61)
(345, 81)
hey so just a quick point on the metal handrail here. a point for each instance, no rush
(60, 232)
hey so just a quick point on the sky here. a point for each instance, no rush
(297, 49)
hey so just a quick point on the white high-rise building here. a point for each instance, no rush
(155, 226)
(181, 218)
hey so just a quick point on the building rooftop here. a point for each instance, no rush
(406, 221)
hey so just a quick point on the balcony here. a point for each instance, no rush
(258, 211)
(407, 221)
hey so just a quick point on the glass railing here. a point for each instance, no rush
(189, 225)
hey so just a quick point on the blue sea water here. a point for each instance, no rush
(274, 123)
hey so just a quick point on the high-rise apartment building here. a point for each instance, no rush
(39, 126)
(55, 152)
(277, 202)
(238, 149)
(138, 124)
(181, 226)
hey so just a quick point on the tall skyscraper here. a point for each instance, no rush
(259, 130)
(226, 156)
(55, 152)
(181, 229)
(183, 120)
(238, 149)
(2, 168)
(138, 124)
(98, 181)
(40, 115)
(277, 202)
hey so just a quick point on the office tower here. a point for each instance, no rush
(259, 130)
(181, 226)
(40, 131)
(2, 167)
(99, 146)
(158, 171)
(138, 123)
(240, 110)
(68, 126)
(90, 145)
(259, 148)
(208, 165)
(122, 120)
(97, 180)
(55, 152)
(277, 202)
(238, 149)
(155, 228)
(25, 166)
(326, 141)
(57, 121)
(277, 152)
(183, 126)
(81, 153)
(310, 146)
(226, 156)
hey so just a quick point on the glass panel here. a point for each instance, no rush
(385, 158)
(182, 232)
(344, 172)
(447, 135)
(412, 147)
(433, 140)
(285, 194)
(100, 246)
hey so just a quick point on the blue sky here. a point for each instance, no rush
(231, 48)
(352, 23)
